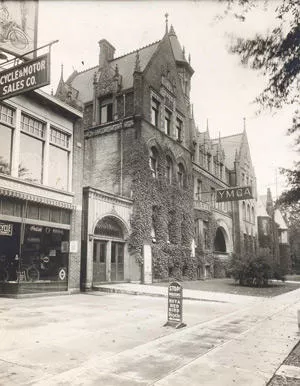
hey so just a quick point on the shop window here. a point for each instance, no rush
(65, 216)
(44, 213)
(55, 215)
(106, 112)
(154, 112)
(169, 169)
(181, 175)
(153, 161)
(58, 167)
(33, 211)
(179, 129)
(31, 158)
(168, 121)
(7, 206)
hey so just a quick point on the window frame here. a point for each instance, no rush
(155, 109)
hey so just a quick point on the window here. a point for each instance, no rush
(244, 210)
(32, 126)
(59, 137)
(153, 161)
(179, 126)
(198, 189)
(106, 112)
(169, 169)
(59, 159)
(208, 162)
(6, 118)
(205, 234)
(31, 158)
(168, 121)
(248, 213)
(154, 112)
(180, 175)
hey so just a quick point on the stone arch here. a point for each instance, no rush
(223, 238)
(118, 220)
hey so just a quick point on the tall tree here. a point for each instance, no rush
(277, 55)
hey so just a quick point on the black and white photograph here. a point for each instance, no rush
(150, 192)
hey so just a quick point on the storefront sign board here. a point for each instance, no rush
(234, 194)
(6, 229)
(25, 77)
(175, 306)
(73, 246)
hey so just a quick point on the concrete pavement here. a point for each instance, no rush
(114, 339)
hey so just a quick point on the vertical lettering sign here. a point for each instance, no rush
(175, 305)
(24, 77)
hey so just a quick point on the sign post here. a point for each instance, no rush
(175, 306)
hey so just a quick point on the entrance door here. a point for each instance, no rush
(117, 261)
(99, 261)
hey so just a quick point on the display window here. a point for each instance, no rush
(9, 250)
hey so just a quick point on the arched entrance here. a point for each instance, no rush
(108, 255)
(219, 242)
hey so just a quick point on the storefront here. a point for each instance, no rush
(34, 246)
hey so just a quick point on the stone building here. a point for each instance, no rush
(150, 177)
(41, 165)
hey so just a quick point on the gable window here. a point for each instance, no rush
(169, 169)
(168, 120)
(180, 175)
(179, 127)
(153, 161)
(154, 112)
(106, 112)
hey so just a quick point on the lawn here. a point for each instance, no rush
(229, 286)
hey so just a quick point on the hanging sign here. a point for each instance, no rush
(175, 306)
(234, 194)
(25, 77)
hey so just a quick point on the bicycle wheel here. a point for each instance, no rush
(18, 38)
(32, 273)
(4, 275)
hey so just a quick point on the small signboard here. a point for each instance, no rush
(6, 229)
(25, 77)
(175, 306)
(234, 194)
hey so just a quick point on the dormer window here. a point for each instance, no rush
(179, 127)
(106, 112)
(154, 112)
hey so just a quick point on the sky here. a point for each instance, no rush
(222, 89)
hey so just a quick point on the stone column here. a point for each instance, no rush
(108, 261)
(147, 264)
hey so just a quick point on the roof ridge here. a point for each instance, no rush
(88, 69)
(227, 136)
(132, 52)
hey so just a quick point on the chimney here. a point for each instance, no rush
(107, 52)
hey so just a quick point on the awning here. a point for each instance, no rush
(35, 198)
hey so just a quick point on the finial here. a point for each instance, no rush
(189, 58)
(116, 70)
(137, 67)
(62, 71)
(172, 31)
(167, 27)
(244, 119)
(183, 52)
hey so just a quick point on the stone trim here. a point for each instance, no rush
(107, 197)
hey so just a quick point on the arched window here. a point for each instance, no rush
(110, 227)
(153, 161)
(180, 175)
(169, 169)
(244, 210)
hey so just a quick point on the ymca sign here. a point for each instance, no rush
(234, 194)
(24, 77)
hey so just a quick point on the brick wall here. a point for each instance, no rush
(75, 233)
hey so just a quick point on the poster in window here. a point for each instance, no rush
(64, 247)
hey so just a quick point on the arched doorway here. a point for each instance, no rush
(219, 242)
(108, 256)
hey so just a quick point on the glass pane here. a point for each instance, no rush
(44, 213)
(109, 226)
(33, 211)
(58, 168)
(5, 149)
(31, 158)
(55, 215)
(65, 216)
(102, 252)
(113, 252)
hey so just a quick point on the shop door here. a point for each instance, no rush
(99, 261)
(117, 261)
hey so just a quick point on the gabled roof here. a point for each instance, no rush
(280, 220)
(231, 145)
(83, 81)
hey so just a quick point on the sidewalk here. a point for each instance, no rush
(115, 339)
